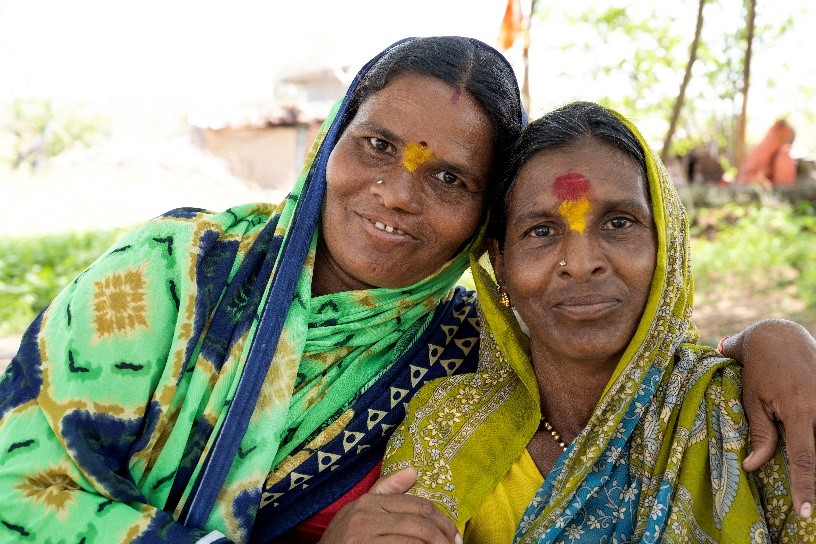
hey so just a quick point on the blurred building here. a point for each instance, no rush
(269, 147)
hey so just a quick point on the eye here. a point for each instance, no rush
(540, 231)
(617, 223)
(448, 179)
(379, 145)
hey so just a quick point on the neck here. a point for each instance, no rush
(327, 276)
(570, 391)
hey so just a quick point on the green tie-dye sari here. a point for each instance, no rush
(188, 380)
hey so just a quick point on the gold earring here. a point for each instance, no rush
(504, 300)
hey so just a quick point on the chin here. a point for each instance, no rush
(593, 346)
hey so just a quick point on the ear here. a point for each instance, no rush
(496, 259)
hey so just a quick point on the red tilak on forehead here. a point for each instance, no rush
(423, 143)
(571, 186)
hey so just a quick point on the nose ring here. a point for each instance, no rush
(378, 182)
(562, 263)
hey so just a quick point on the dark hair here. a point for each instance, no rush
(557, 129)
(463, 63)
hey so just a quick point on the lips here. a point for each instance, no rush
(587, 306)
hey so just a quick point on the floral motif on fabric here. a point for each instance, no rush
(119, 303)
(53, 488)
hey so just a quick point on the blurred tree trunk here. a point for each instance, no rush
(525, 56)
(681, 95)
(742, 120)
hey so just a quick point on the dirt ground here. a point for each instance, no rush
(726, 311)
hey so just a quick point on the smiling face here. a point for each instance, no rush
(585, 205)
(431, 146)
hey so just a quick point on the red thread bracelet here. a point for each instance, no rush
(720, 345)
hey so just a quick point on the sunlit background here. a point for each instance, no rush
(130, 79)
(114, 112)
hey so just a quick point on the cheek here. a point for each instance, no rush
(458, 225)
(332, 165)
(641, 274)
(522, 278)
(339, 170)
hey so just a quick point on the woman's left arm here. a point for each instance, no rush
(779, 385)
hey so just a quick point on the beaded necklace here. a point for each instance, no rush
(549, 428)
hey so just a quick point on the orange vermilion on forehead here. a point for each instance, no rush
(416, 154)
(572, 189)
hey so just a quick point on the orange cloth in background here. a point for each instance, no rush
(510, 25)
(770, 162)
(783, 169)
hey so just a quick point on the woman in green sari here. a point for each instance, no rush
(233, 376)
(594, 415)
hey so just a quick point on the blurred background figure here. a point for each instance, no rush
(770, 163)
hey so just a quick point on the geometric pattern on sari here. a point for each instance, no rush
(351, 444)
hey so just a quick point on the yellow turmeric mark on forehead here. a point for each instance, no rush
(416, 154)
(575, 212)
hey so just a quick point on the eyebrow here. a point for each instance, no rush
(382, 131)
(534, 215)
(626, 204)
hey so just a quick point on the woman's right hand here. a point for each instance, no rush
(387, 514)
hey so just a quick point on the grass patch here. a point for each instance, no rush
(34, 270)
(759, 247)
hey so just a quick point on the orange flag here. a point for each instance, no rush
(510, 25)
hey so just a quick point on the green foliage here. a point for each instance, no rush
(764, 247)
(656, 41)
(34, 270)
(37, 129)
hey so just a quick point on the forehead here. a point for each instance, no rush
(420, 108)
(592, 167)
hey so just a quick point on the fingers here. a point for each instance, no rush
(387, 514)
(399, 482)
(405, 506)
(799, 445)
(417, 517)
(427, 527)
(764, 435)
(392, 518)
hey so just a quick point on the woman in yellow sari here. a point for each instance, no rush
(601, 419)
